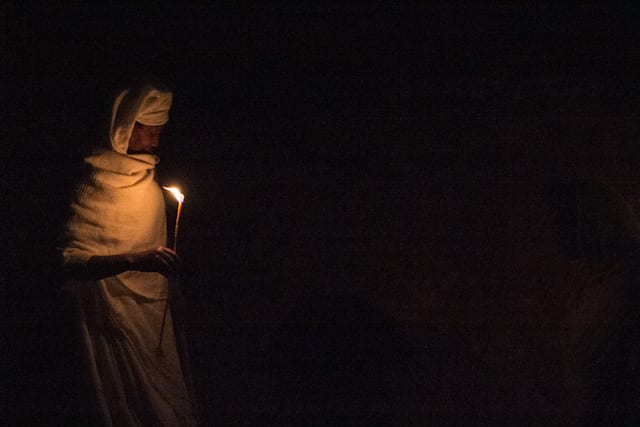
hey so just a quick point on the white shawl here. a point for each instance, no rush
(120, 209)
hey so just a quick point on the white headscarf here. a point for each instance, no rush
(149, 106)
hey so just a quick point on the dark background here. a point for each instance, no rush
(396, 214)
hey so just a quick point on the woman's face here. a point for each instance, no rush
(144, 139)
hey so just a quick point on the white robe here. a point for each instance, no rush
(120, 209)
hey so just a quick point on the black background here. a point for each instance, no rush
(367, 232)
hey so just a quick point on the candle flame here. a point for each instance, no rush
(176, 193)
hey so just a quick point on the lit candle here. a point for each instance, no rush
(180, 198)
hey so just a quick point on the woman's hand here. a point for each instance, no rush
(160, 260)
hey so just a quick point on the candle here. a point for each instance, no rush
(180, 198)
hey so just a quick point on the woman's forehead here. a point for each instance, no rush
(149, 127)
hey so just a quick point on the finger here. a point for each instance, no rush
(167, 250)
(174, 255)
(168, 261)
(164, 259)
(168, 254)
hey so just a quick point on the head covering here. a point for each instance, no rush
(147, 105)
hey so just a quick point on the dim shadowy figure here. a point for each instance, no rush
(118, 271)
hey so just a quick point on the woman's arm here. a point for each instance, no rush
(161, 260)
